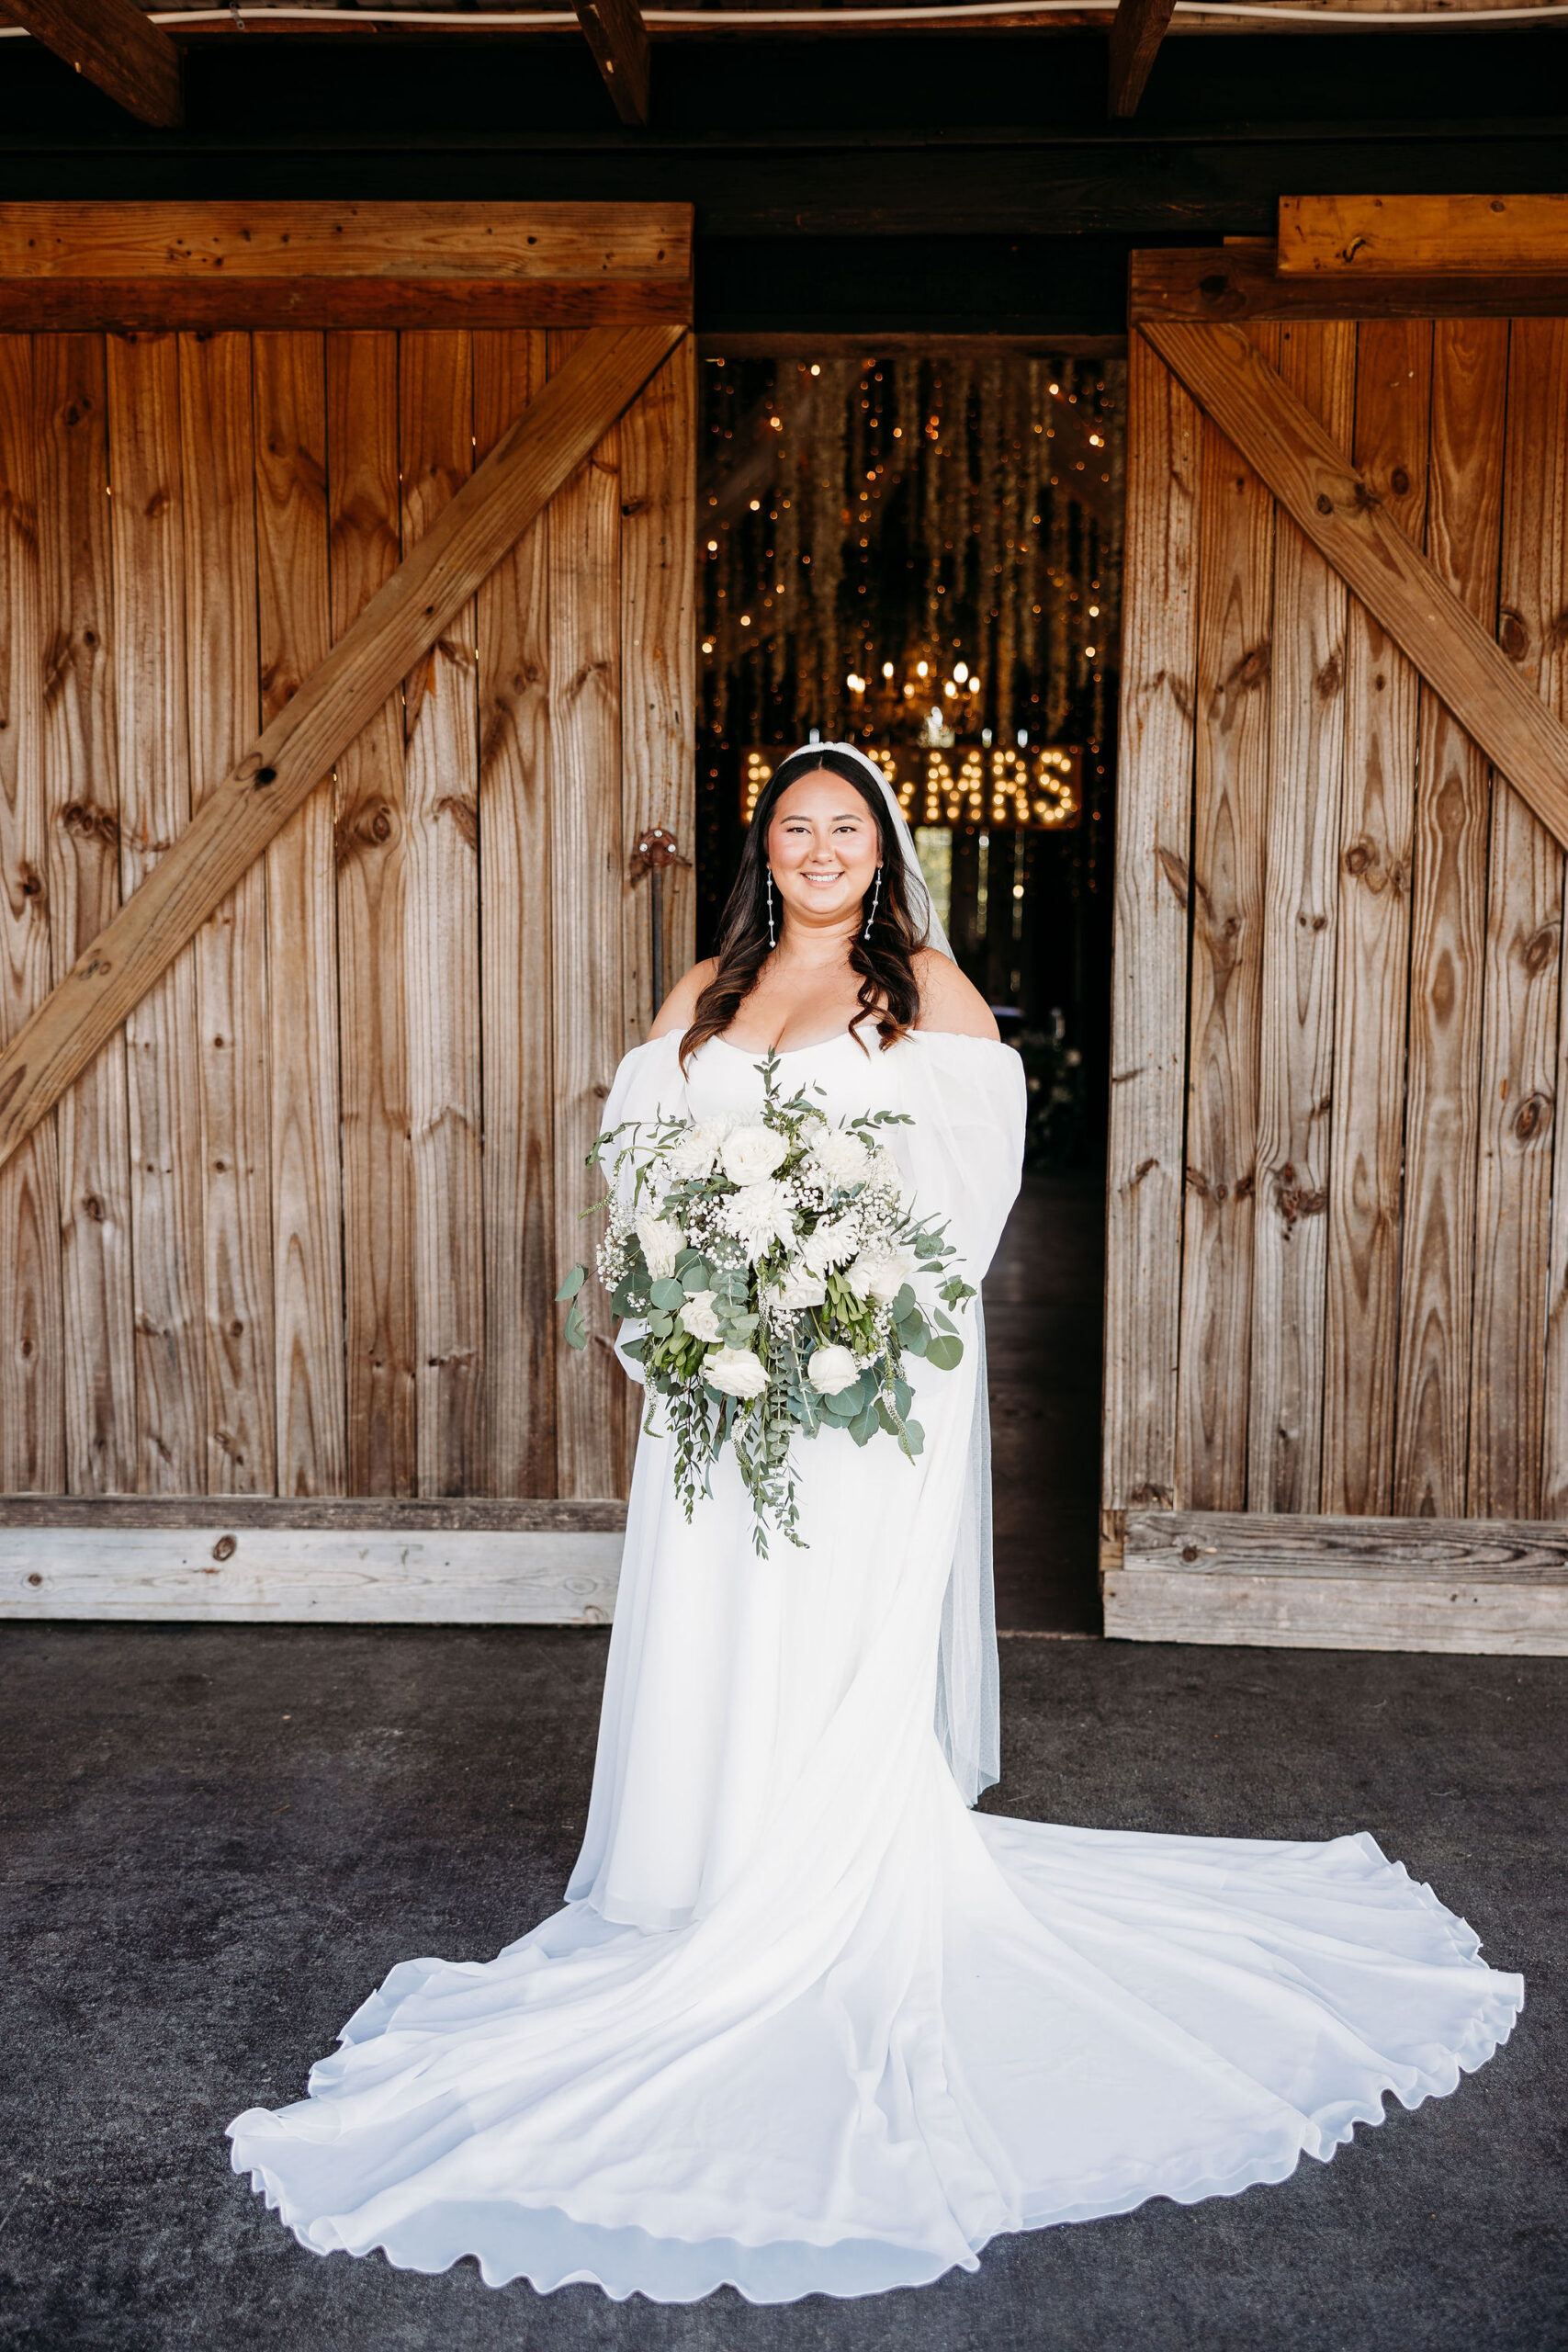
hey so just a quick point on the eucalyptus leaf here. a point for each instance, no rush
(669, 1295)
(914, 1436)
(576, 1328)
(915, 1337)
(863, 1428)
(944, 1352)
(574, 1283)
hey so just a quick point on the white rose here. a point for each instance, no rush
(699, 1149)
(751, 1154)
(832, 1369)
(839, 1159)
(737, 1371)
(829, 1246)
(760, 1214)
(661, 1243)
(697, 1316)
(880, 1274)
(799, 1288)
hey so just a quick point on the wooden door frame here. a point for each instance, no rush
(1313, 1579)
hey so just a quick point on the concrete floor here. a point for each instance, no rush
(217, 1841)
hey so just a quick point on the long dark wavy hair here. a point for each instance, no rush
(885, 961)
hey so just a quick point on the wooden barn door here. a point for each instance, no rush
(296, 1230)
(1336, 1396)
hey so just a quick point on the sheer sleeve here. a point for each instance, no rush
(964, 1153)
(649, 1085)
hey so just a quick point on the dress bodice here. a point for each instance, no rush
(842, 1078)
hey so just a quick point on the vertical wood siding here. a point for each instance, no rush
(299, 1228)
(1360, 1305)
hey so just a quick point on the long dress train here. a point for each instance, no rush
(806, 2023)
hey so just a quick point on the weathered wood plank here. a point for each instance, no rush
(658, 685)
(372, 858)
(372, 1514)
(1448, 946)
(82, 804)
(1518, 1090)
(116, 45)
(292, 239)
(516, 955)
(390, 637)
(1341, 1583)
(32, 1335)
(1341, 512)
(161, 1032)
(435, 424)
(219, 669)
(1300, 940)
(1148, 973)
(1393, 377)
(1231, 802)
(1405, 236)
(618, 37)
(156, 306)
(1136, 31)
(1212, 283)
(275, 1575)
(587, 879)
(294, 635)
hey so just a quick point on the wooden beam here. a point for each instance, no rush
(618, 39)
(1136, 32)
(114, 44)
(1344, 518)
(91, 267)
(1301, 1581)
(553, 436)
(213, 1571)
(1239, 281)
(1339, 237)
(88, 238)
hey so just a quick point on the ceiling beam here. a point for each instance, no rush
(618, 39)
(1135, 36)
(114, 44)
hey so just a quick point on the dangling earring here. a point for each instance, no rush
(772, 941)
(876, 898)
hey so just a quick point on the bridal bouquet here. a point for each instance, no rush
(780, 1283)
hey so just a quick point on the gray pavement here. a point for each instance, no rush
(217, 1841)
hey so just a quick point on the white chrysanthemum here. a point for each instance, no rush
(698, 1317)
(695, 1154)
(661, 1243)
(751, 1154)
(831, 1245)
(758, 1216)
(735, 1371)
(799, 1288)
(881, 1274)
(830, 1370)
(839, 1159)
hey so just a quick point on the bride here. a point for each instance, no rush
(806, 2024)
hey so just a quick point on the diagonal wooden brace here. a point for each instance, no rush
(1339, 512)
(533, 457)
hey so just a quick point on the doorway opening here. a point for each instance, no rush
(917, 549)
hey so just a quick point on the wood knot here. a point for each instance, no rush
(1513, 636)
(1532, 1118)
(1399, 481)
(225, 1548)
(1325, 503)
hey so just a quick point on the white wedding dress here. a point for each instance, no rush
(807, 2024)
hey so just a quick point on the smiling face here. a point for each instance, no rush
(823, 849)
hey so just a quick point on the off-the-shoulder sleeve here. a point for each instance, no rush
(649, 1086)
(965, 1152)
